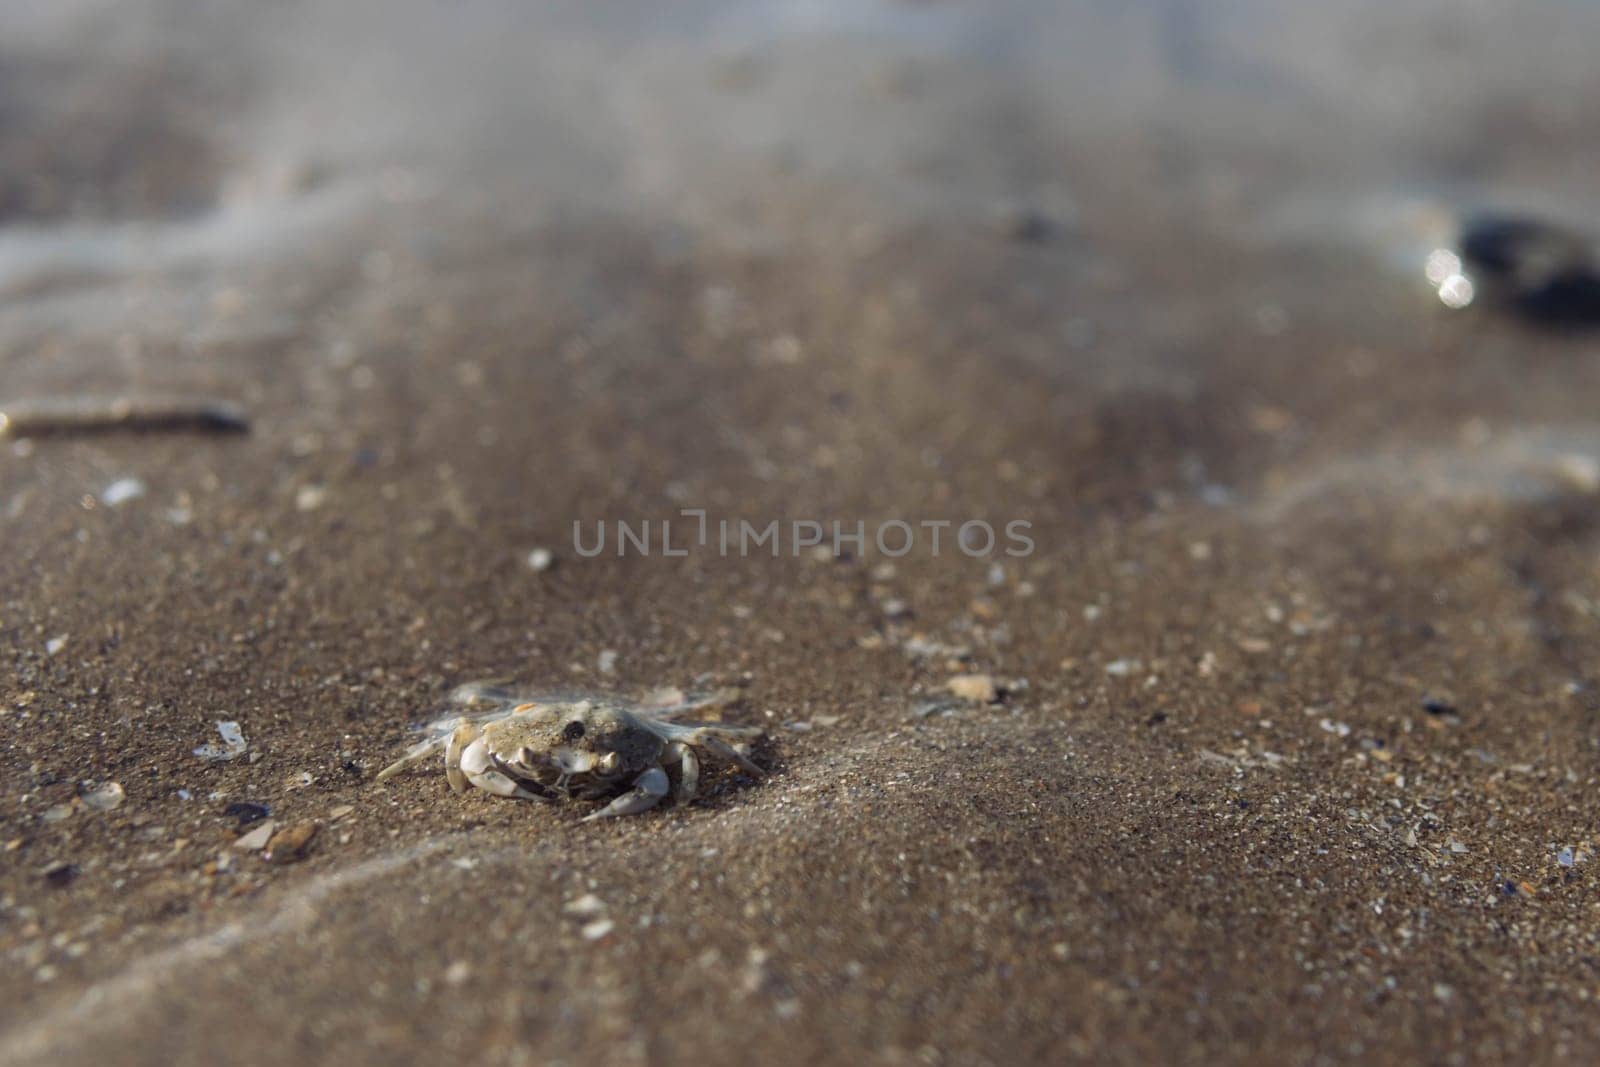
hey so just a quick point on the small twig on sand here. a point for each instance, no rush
(76, 414)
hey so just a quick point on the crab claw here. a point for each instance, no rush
(648, 789)
(478, 767)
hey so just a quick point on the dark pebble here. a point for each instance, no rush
(60, 873)
(1438, 706)
(246, 813)
(1544, 272)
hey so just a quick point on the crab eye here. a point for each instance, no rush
(572, 731)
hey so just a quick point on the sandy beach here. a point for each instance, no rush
(1279, 744)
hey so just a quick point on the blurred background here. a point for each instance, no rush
(1273, 320)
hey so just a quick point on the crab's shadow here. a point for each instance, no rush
(725, 782)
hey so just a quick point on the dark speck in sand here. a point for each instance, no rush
(1028, 226)
(60, 874)
(247, 813)
(1438, 706)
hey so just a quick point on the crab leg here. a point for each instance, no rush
(718, 701)
(417, 754)
(688, 771)
(481, 693)
(725, 750)
(460, 738)
(648, 789)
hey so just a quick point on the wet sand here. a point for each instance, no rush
(1295, 757)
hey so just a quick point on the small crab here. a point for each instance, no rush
(587, 748)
